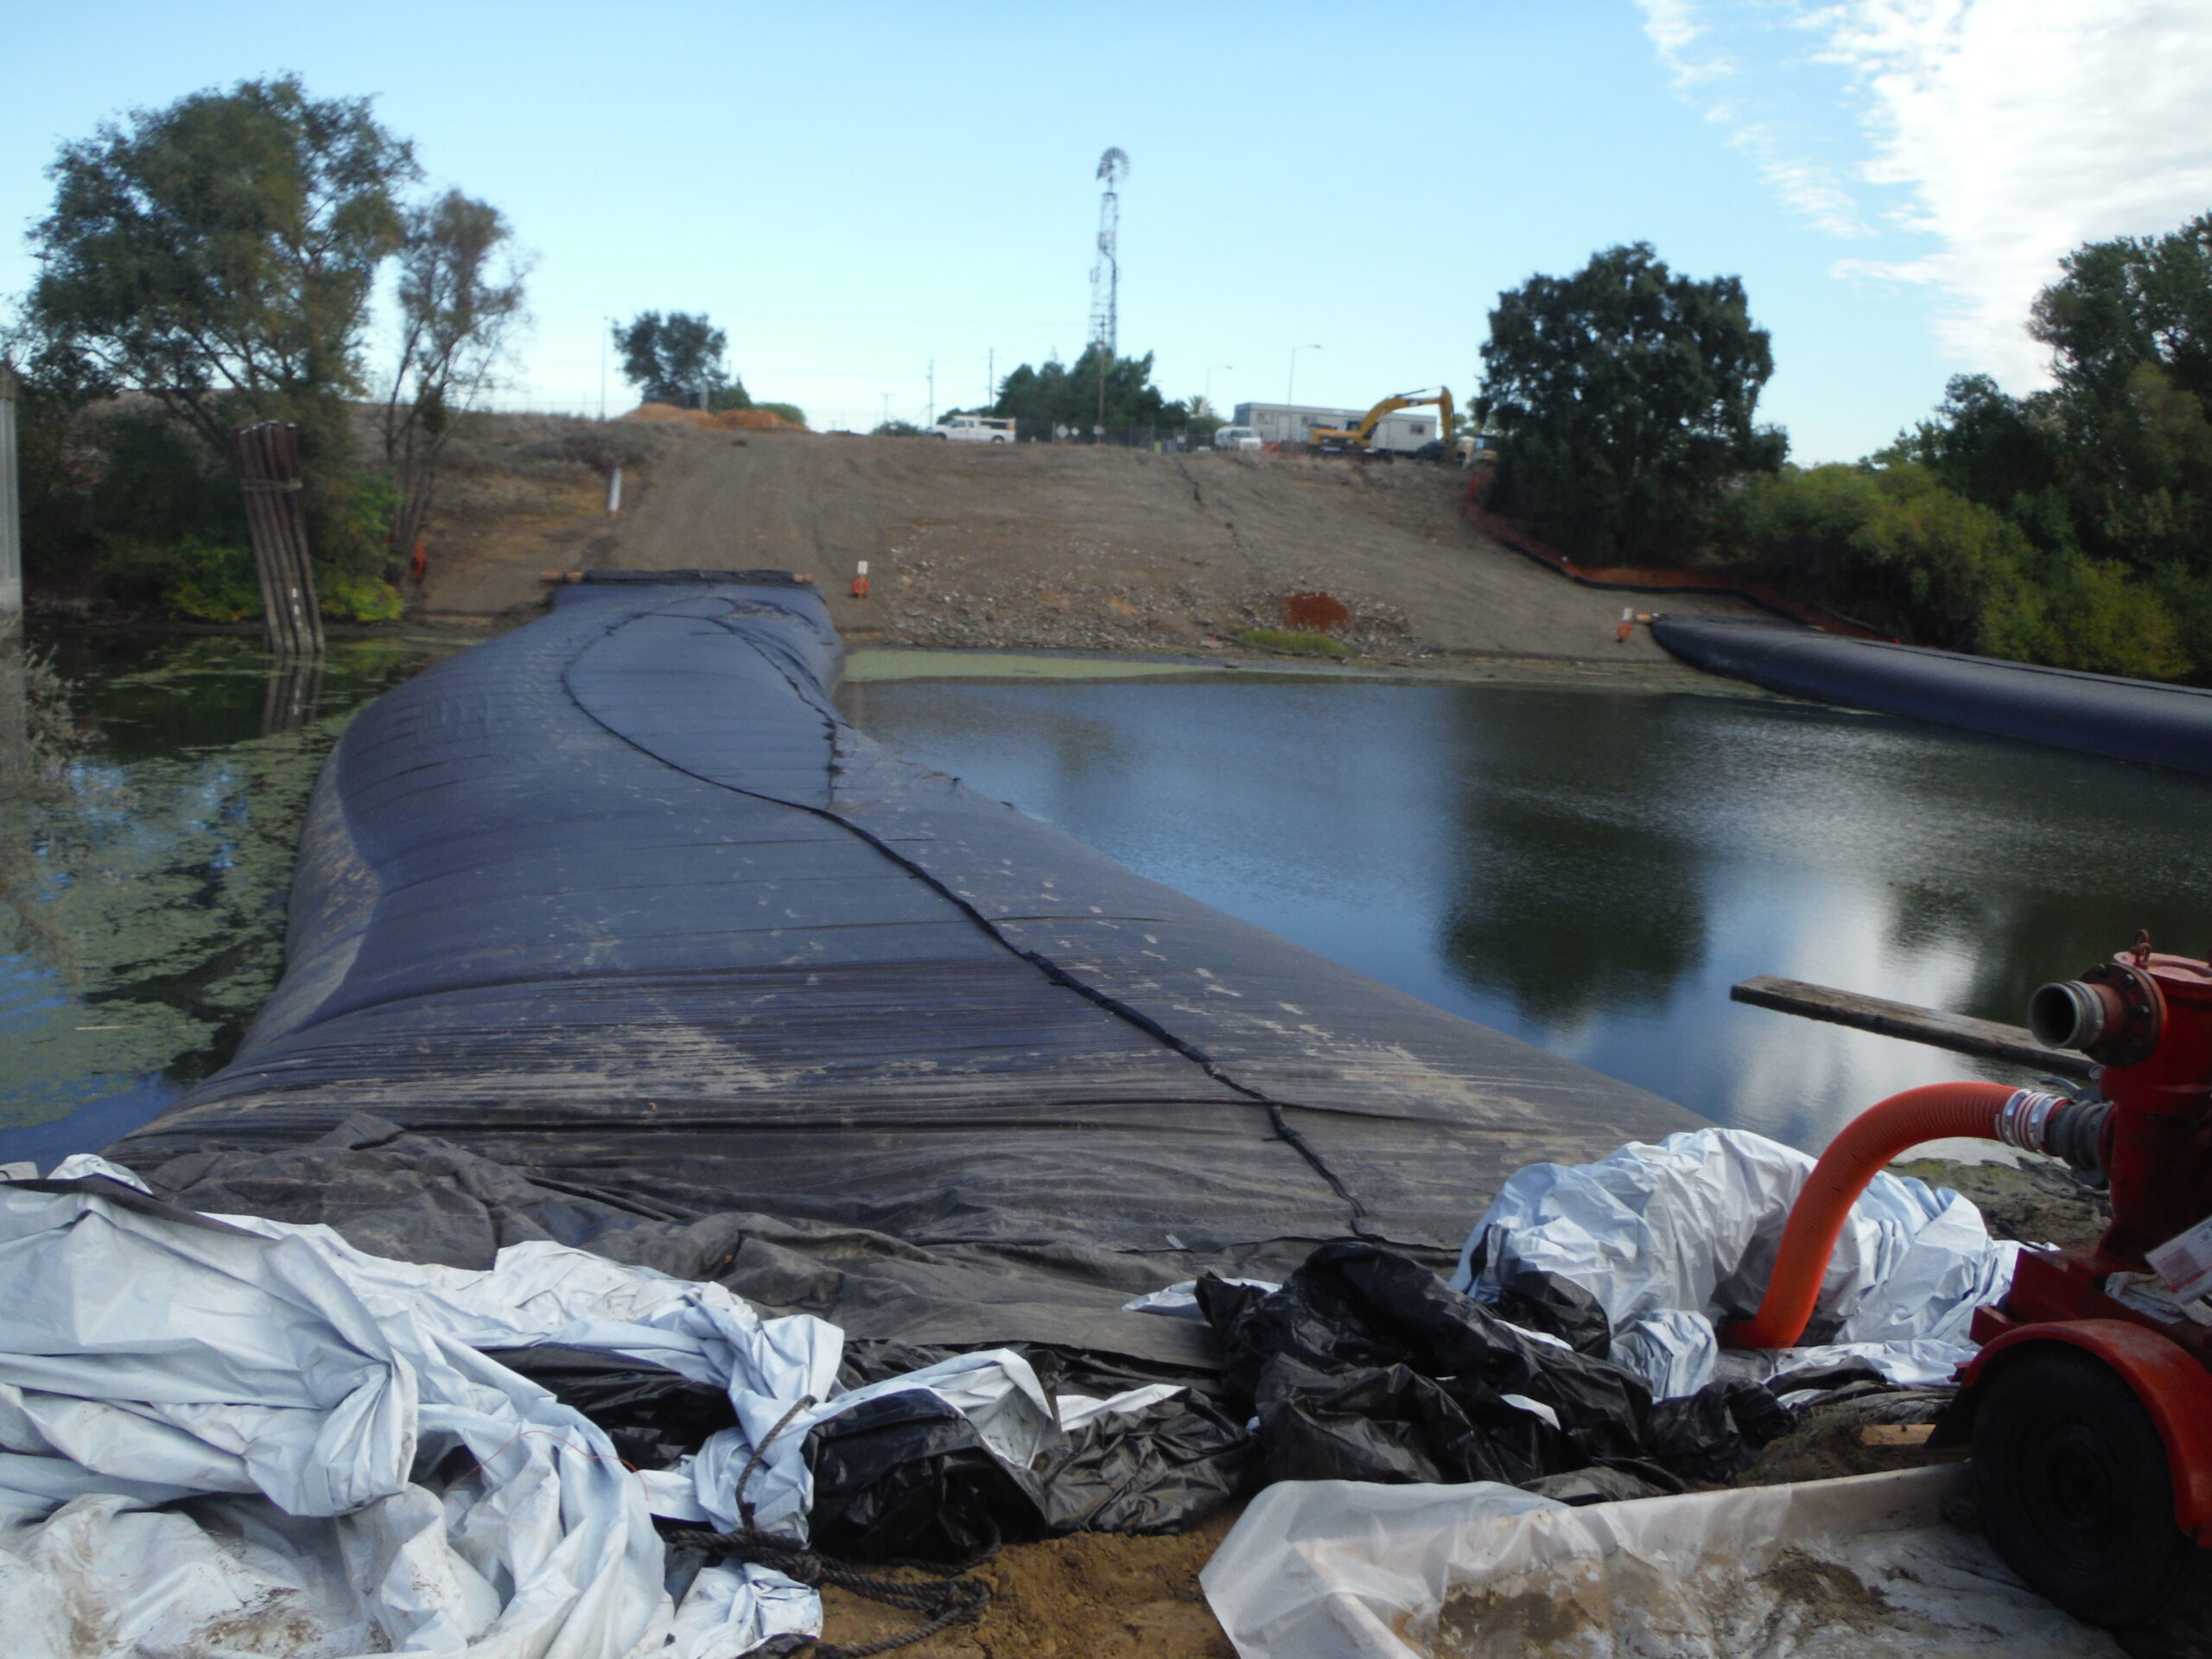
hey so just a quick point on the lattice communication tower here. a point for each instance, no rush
(1106, 274)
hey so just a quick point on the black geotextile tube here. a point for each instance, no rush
(2097, 713)
(611, 929)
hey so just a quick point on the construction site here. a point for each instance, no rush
(1078, 1030)
(1054, 547)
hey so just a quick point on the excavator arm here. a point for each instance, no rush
(1362, 436)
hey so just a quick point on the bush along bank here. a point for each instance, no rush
(2071, 526)
(124, 510)
(1890, 546)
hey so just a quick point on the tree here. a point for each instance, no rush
(219, 255)
(672, 360)
(1042, 400)
(1627, 398)
(461, 289)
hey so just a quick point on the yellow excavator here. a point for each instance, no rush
(1360, 440)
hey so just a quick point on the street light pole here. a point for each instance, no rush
(1231, 367)
(1290, 392)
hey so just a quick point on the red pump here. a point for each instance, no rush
(2090, 1403)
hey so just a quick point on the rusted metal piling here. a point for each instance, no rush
(268, 460)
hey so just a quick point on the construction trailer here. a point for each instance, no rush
(1401, 433)
(1290, 423)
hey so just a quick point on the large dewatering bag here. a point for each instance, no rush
(2097, 714)
(619, 902)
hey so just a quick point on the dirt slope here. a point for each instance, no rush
(1068, 547)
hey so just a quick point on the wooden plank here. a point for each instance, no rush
(1960, 1032)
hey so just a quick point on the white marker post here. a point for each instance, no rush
(614, 491)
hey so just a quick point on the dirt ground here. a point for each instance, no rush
(1040, 546)
(1093, 1596)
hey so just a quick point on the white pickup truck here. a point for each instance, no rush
(975, 429)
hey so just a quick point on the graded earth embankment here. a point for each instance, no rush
(1059, 546)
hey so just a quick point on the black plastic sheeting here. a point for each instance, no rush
(609, 931)
(2098, 714)
(1367, 1366)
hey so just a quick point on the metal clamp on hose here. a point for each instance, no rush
(2056, 1126)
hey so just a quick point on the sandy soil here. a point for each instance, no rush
(1052, 547)
(1093, 1596)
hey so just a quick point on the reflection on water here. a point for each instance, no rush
(150, 799)
(1592, 869)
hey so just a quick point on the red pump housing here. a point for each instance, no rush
(2091, 1401)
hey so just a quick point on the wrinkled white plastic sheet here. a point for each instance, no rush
(1677, 1239)
(283, 1396)
(1832, 1569)
(296, 1391)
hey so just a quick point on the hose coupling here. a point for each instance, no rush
(2056, 1126)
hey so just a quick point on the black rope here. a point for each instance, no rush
(1052, 970)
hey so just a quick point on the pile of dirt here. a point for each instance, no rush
(1091, 1596)
(2034, 1202)
(724, 419)
(1829, 1440)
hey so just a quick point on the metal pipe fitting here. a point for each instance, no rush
(2068, 1014)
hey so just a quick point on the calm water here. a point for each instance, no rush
(1590, 870)
(1586, 870)
(150, 798)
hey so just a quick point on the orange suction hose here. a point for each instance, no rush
(1940, 1111)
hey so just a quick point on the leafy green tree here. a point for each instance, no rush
(1627, 396)
(1057, 397)
(673, 360)
(461, 291)
(219, 255)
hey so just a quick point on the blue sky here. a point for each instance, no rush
(854, 191)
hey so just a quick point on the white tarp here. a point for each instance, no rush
(284, 1398)
(304, 1390)
(1677, 1238)
(1832, 1569)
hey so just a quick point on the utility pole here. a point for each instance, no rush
(603, 340)
(932, 420)
(11, 533)
(991, 379)
(1227, 367)
(1290, 392)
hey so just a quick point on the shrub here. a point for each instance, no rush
(601, 447)
(358, 599)
(200, 578)
(1892, 547)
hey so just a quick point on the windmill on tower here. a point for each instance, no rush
(1106, 274)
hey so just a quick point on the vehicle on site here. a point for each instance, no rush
(1369, 437)
(975, 429)
(1237, 437)
(2089, 1406)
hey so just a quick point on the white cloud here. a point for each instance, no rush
(1807, 187)
(2006, 133)
(1715, 81)
(2018, 130)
